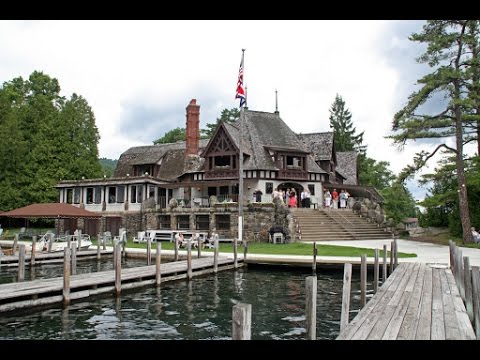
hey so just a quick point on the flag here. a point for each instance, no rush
(240, 89)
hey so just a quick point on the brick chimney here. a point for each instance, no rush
(193, 127)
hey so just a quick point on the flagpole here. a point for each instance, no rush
(240, 165)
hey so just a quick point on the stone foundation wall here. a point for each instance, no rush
(258, 218)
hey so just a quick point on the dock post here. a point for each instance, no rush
(21, 263)
(314, 262)
(34, 250)
(189, 259)
(395, 259)
(104, 242)
(175, 256)
(363, 281)
(51, 239)
(460, 275)
(347, 284)
(468, 287)
(241, 321)
(66, 276)
(476, 298)
(375, 273)
(158, 259)
(311, 307)
(98, 247)
(245, 249)
(235, 263)
(79, 241)
(149, 251)
(15, 244)
(392, 249)
(451, 246)
(215, 256)
(384, 276)
(74, 260)
(199, 248)
(118, 269)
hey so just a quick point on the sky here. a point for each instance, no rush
(138, 76)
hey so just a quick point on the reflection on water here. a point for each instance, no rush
(196, 309)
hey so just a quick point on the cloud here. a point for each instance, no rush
(138, 76)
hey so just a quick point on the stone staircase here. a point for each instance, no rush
(322, 224)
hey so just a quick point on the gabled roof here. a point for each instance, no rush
(264, 131)
(320, 144)
(347, 166)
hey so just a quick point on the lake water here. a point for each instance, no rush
(196, 309)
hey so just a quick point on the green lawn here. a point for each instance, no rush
(286, 249)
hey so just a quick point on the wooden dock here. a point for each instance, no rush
(49, 291)
(52, 257)
(417, 301)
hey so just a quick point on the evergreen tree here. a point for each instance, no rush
(344, 133)
(453, 75)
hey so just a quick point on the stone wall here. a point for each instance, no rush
(258, 218)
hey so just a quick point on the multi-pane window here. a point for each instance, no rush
(202, 222)
(183, 222)
(223, 222)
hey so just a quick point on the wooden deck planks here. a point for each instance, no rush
(393, 329)
(463, 321)
(388, 310)
(417, 301)
(357, 322)
(133, 277)
(425, 319)
(438, 322)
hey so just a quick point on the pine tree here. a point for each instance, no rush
(344, 133)
(454, 71)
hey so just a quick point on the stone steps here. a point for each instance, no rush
(320, 225)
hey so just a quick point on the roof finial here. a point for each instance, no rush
(276, 101)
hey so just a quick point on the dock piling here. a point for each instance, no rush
(311, 307)
(241, 321)
(347, 284)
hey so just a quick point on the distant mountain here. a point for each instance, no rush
(108, 166)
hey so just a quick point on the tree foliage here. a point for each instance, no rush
(177, 134)
(375, 173)
(227, 115)
(441, 206)
(452, 53)
(399, 203)
(344, 133)
(45, 138)
(108, 166)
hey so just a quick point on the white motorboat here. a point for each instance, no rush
(60, 243)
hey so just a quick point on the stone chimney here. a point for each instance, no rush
(193, 128)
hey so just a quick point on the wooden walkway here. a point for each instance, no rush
(52, 257)
(48, 291)
(418, 302)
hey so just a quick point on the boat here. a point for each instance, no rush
(60, 243)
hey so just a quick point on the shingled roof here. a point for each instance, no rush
(320, 144)
(265, 130)
(173, 154)
(347, 166)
